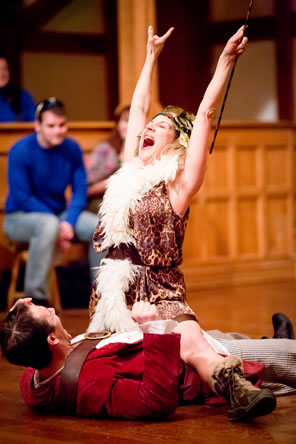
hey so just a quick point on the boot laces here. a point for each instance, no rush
(239, 386)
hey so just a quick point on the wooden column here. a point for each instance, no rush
(284, 56)
(134, 16)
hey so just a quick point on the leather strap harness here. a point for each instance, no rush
(72, 368)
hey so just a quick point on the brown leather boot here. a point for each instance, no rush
(246, 400)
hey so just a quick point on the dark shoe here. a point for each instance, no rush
(282, 326)
(43, 302)
(246, 400)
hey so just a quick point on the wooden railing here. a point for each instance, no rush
(241, 225)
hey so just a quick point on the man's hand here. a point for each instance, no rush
(144, 312)
(66, 234)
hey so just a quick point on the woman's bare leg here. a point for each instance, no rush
(195, 350)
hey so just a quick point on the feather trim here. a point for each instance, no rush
(125, 188)
(113, 280)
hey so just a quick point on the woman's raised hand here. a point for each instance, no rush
(155, 43)
(236, 45)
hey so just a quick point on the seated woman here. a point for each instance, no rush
(16, 104)
(105, 160)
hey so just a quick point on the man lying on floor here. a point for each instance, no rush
(131, 375)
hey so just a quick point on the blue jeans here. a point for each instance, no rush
(40, 231)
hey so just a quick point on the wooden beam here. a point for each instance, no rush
(134, 16)
(184, 65)
(67, 42)
(39, 13)
(284, 58)
(110, 14)
(262, 28)
(18, 22)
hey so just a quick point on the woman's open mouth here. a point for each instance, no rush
(148, 141)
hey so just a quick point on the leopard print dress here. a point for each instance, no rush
(157, 232)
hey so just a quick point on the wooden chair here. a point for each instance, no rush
(20, 251)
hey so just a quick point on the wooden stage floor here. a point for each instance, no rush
(246, 309)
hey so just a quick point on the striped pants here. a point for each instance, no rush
(278, 355)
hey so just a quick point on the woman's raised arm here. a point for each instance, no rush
(190, 179)
(140, 104)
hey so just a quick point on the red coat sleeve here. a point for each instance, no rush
(42, 397)
(120, 392)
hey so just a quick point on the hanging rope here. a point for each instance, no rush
(229, 81)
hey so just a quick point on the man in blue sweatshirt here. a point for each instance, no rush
(40, 167)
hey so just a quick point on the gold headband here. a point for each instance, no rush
(183, 122)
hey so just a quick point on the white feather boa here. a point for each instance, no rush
(125, 188)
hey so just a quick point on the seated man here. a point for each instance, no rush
(126, 375)
(40, 168)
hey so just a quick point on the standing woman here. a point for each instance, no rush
(16, 104)
(142, 221)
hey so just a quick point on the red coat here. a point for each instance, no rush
(134, 381)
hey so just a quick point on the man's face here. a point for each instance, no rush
(52, 130)
(49, 315)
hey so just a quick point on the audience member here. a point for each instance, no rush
(105, 160)
(40, 168)
(16, 104)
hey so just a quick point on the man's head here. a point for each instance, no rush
(30, 333)
(50, 122)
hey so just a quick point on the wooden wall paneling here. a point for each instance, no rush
(232, 200)
(278, 186)
(291, 205)
(261, 219)
(247, 204)
(88, 135)
(247, 210)
(218, 203)
(247, 196)
(293, 175)
(10, 133)
(290, 191)
(277, 223)
(217, 217)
